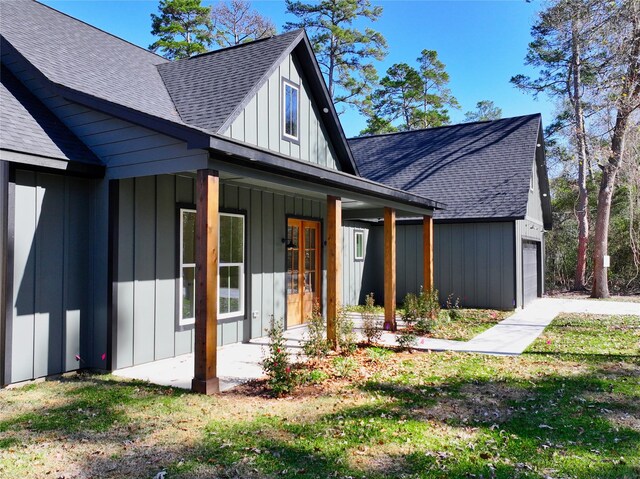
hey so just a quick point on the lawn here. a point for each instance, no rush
(469, 324)
(567, 408)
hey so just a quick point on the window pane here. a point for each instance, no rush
(225, 239)
(291, 111)
(359, 246)
(230, 293)
(294, 114)
(188, 237)
(188, 292)
(237, 239)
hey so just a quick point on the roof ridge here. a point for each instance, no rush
(240, 45)
(377, 135)
(146, 50)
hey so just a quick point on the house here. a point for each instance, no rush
(151, 208)
(489, 240)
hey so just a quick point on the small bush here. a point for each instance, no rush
(453, 308)
(407, 339)
(378, 355)
(344, 366)
(422, 310)
(345, 333)
(315, 345)
(277, 365)
(372, 332)
(315, 376)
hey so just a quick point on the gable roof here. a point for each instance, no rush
(207, 89)
(29, 127)
(81, 57)
(479, 170)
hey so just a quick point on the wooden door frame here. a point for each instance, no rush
(320, 222)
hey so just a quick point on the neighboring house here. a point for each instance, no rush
(489, 240)
(151, 208)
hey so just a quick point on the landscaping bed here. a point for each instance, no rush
(567, 408)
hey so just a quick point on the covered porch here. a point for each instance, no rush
(343, 197)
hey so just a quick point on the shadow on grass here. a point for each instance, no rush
(510, 429)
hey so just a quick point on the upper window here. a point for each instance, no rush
(358, 244)
(230, 266)
(533, 174)
(290, 109)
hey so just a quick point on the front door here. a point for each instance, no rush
(303, 269)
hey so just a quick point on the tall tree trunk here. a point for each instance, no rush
(582, 210)
(605, 195)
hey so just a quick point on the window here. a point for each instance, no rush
(358, 244)
(187, 267)
(533, 174)
(290, 108)
(230, 268)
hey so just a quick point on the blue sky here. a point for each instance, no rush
(483, 42)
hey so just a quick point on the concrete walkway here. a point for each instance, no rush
(239, 363)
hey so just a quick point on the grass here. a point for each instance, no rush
(567, 408)
(470, 323)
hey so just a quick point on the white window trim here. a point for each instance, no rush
(285, 135)
(184, 321)
(357, 233)
(241, 279)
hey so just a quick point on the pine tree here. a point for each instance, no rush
(183, 28)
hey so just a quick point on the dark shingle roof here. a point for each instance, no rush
(76, 55)
(208, 89)
(479, 170)
(27, 126)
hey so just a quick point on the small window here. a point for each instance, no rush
(187, 267)
(533, 174)
(231, 266)
(358, 244)
(290, 108)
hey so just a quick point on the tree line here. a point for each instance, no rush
(588, 56)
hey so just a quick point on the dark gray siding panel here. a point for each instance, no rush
(4, 284)
(472, 261)
(52, 275)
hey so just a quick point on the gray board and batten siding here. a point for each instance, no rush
(147, 274)
(53, 313)
(260, 122)
(472, 261)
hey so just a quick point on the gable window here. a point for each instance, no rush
(187, 296)
(231, 245)
(358, 244)
(290, 109)
(533, 173)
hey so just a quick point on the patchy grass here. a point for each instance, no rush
(470, 323)
(567, 408)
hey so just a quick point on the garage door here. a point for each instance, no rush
(529, 271)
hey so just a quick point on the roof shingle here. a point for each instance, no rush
(479, 170)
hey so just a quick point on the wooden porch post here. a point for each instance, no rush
(205, 378)
(390, 269)
(334, 265)
(427, 250)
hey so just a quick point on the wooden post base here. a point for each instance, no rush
(208, 386)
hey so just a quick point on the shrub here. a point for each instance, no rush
(314, 376)
(453, 308)
(345, 333)
(344, 367)
(407, 339)
(422, 309)
(316, 345)
(277, 364)
(372, 332)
